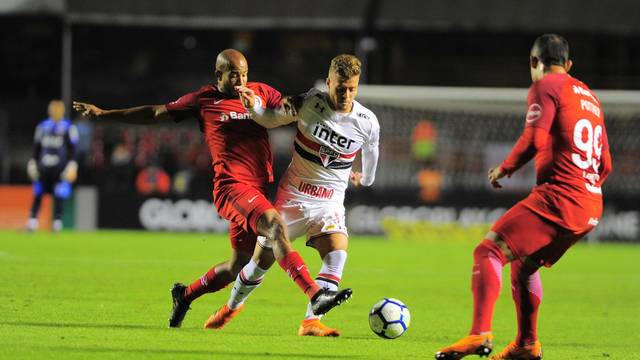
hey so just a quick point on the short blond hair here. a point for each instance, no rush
(345, 66)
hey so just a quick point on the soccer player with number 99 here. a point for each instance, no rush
(565, 132)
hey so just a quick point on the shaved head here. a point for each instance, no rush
(230, 58)
(231, 71)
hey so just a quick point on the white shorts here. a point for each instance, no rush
(310, 218)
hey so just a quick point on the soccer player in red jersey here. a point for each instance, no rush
(565, 133)
(242, 163)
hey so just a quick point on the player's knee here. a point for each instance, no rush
(272, 227)
(237, 263)
(489, 248)
(328, 244)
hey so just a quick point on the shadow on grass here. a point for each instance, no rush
(249, 355)
(82, 326)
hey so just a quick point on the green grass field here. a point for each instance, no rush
(106, 295)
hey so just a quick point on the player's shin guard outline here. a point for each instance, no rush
(486, 281)
(526, 290)
(248, 279)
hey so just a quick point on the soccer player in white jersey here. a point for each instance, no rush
(332, 129)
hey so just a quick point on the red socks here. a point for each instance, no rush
(486, 280)
(297, 270)
(526, 289)
(214, 280)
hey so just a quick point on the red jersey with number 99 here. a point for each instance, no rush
(570, 168)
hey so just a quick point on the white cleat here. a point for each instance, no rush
(32, 225)
(57, 225)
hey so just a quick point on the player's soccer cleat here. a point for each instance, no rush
(180, 305)
(325, 300)
(468, 345)
(313, 327)
(222, 317)
(32, 225)
(57, 225)
(515, 352)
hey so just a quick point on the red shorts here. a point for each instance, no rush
(529, 235)
(242, 205)
(241, 240)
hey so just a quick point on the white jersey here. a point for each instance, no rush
(326, 145)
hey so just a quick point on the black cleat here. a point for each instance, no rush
(180, 306)
(325, 300)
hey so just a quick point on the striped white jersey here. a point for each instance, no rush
(326, 145)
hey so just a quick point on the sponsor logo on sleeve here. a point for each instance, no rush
(534, 113)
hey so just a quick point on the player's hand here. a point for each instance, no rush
(355, 178)
(88, 110)
(289, 107)
(32, 170)
(494, 175)
(247, 96)
(70, 172)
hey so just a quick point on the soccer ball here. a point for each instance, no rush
(389, 318)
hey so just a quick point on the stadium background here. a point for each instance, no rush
(450, 86)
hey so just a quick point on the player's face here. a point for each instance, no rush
(342, 91)
(56, 110)
(236, 75)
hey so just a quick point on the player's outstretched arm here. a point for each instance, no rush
(265, 117)
(147, 114)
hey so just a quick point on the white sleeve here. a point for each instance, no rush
(269, 118)
(370, 156)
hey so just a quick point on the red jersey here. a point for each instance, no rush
(569, 141)
(239, 146)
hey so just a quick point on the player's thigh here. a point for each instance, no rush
(526, 233)
(241, 204)
(327, 229)
(327, 243)
(295, 216)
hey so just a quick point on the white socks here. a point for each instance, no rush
(329, 275)
(247, 280)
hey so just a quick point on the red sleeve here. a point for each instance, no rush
(542, 103)
(185, 107)
(270, 96)
(530, 142)
(606, 165)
